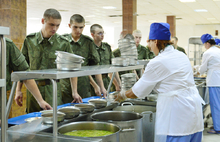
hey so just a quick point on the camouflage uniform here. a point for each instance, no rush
(181, 49)
(85, 48)
(117, 52)
(150, 54)
(105, 54)
(15, 61)
(40, 54)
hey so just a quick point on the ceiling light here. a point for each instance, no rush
(201, 10)
(109, 7)
(116, 22)
(187, 0)
(211, 19)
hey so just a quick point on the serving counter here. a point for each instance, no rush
(53, 75)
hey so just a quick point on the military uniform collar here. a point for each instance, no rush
(100, 47)
(80, 40)
(40, 38)
(139, 48)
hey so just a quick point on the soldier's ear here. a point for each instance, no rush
(42, 20)
(69, 25)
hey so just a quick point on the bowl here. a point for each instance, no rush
(70, 111)
(85, 108)
(69, 56)
(68, 66)
(48, 117)
(98, 103)
(31, 119)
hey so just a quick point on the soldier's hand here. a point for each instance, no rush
(97, 90)
(104, 92)
(44, 105)
(76, 98)
(19, 98)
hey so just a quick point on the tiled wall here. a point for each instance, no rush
(13, 15)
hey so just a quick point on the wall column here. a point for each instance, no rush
(13, 15)
(129, 13)
(172, 21)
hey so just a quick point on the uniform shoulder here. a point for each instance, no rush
(8, 40)
(106, 44)
(63, 37)
(143, 48)
(31, 34)
(87, 37)
(116, 50)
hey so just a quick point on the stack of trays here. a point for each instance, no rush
(128, 80)
(128, 51)
(68, 61)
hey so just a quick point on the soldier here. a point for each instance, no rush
(81, 45)
(105, 54)
(142, 51)
(39, 51)
(175, 40)
(150, 54)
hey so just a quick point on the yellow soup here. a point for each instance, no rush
(88, 133)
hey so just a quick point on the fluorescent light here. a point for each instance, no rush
(211, 19)
(187, 0)
(201, 10)
(90, 16)
(109, 7)
(116, 22)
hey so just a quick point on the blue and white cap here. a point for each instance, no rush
(217, 41)
(206, 37)
(159, 31)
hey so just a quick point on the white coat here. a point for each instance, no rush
(179, 105)
(211, 64)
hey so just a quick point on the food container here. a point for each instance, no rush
(85, 108)
(98, 103)
(68, 66)
(130, 123)
(119, 61)
(48, 117)
(31, 119)
(70, 111)
(91, 125)
(69, 56)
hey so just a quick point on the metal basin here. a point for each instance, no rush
(91, 125)
(130, 123)
(98, 103)
(48, 117)
(70, 111)
(85, 108)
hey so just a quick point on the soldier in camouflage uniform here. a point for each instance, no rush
(39, 51)
(15, 61)
(81, 45)
(150, 54)
(175, 40)
(142, 51)
(105, 54)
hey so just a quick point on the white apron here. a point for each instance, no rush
(179, 113)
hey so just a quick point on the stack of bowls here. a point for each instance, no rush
(128, 80)
(128, 50)
(68, 61)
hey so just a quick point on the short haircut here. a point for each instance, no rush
(136, 32)
(94, 26)
(175, 38)
(51, 13)
(77, 18)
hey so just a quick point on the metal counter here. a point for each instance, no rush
(54, 74)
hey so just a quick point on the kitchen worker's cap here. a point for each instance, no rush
(206, 37)
(217, 41)
(159, 31)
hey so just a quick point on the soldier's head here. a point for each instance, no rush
(137, 36)
(97, 32)
(174, 40)
(77, 24)
(51, 22)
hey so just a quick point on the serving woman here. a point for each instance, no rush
(179, 105)
(211, 64)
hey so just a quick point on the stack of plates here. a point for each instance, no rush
(128, 80)
(68, 61)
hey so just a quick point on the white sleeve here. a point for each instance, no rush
(146, 83)
(203, 67)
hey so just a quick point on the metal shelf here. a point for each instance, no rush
(4, 30)
(57, 74)
(2, 82)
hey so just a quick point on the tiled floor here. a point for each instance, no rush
(210, 137)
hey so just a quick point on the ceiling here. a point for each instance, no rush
(148, 11)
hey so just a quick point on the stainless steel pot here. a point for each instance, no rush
(48, 117)
(98, 103)
(130, 123)
(93, 126)
(149, 116)
(85, 108)
(70, 111)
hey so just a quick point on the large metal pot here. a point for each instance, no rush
(130, 123)
(149, 116)
(91, 125)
